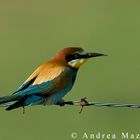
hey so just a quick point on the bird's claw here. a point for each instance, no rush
(83, 102)
(61, 103)
(23, 110)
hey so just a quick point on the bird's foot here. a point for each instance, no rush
(61, 102)
(23, 110)
(83, 102)
(45, 101)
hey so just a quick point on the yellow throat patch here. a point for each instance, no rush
(77, 62)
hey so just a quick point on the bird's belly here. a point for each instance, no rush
(62, 85)
(56, 97)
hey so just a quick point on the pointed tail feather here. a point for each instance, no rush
(6, 104)
(10, 98)
(15, 105)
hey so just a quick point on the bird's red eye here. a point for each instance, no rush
(76, 55)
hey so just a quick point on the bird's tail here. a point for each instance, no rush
(16, 100)
(6, 104)
(15, 105)
(8, 100)
(11, 102)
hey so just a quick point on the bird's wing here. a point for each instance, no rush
(38, 83)
(31, 79)
(32, 90)
(44, 79)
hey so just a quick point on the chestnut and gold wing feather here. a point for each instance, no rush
(38, 83)
(42, 77)
(31, 79)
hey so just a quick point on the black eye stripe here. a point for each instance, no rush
(73, 56)
(69, 57)
(76, 55)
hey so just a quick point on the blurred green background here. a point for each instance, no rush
(32, 31)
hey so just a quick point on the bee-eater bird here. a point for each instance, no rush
(50, 82)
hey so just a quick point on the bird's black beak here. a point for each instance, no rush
(85, 56)
(90, 55)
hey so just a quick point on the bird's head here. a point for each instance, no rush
(75, 57)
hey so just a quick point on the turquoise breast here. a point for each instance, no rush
(67, 80)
